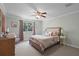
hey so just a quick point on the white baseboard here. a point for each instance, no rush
(71, 45)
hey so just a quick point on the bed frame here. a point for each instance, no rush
(36, 46)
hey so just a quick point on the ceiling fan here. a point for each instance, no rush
(38, 12)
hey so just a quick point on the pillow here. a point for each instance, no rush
(55, 33)
(47, 33)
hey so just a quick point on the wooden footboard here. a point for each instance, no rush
(36, 46)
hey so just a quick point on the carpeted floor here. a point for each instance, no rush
(24, 49)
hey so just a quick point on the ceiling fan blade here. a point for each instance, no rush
(43, 16)
(44, 13)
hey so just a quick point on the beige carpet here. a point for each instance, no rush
(24, 49)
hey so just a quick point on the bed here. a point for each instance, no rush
(48, 39)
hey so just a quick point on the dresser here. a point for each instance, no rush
(7, 46)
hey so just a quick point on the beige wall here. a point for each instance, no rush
(70, 24)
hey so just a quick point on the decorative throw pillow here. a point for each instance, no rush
(55, 33)
(49, 34)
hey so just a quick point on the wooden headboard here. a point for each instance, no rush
(51, 29)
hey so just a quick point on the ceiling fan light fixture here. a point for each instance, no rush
(38, 17)
(39, 13)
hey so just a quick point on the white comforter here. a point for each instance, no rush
(46, 40)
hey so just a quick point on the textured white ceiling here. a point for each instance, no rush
(26, 10)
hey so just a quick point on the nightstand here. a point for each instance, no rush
(62, 39)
